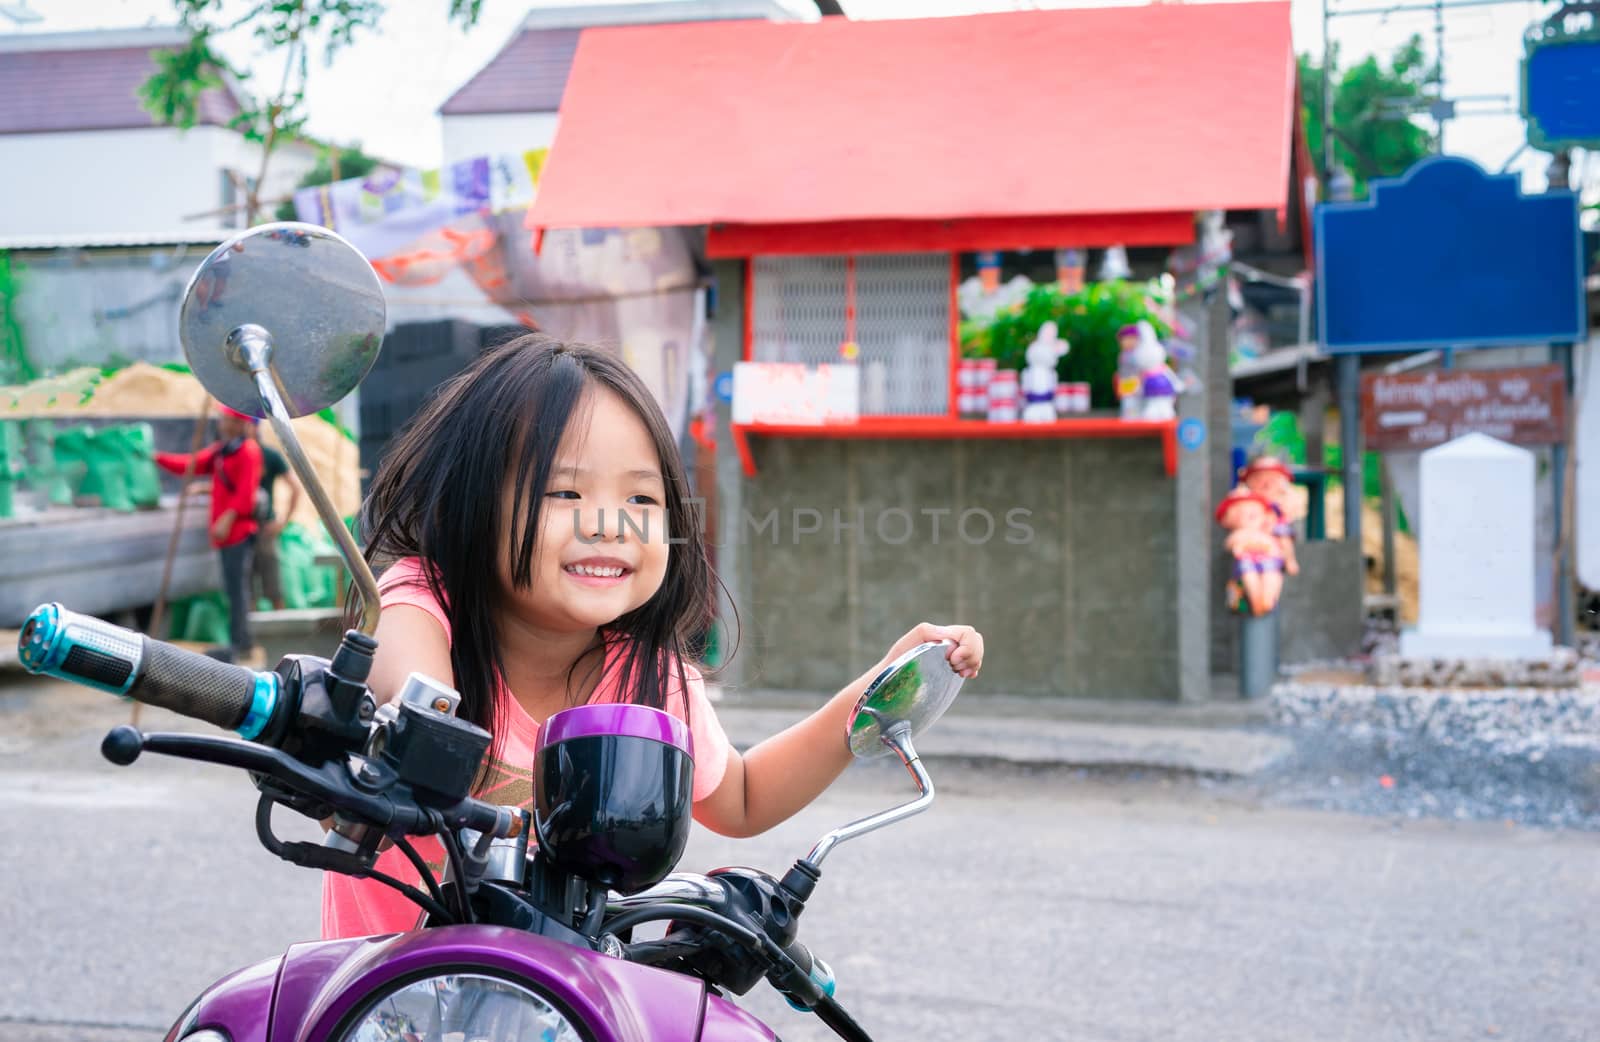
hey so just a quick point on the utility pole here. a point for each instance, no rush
(1327, 99)
(1558, 178)
(1441, 111)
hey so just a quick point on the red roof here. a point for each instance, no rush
(528, 75)
(86, 89)
(1044, 121)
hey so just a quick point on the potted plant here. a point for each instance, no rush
(1088, 319)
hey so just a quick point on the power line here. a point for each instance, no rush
(1432, 8)
(1440, 108)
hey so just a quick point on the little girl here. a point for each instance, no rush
(538, 552)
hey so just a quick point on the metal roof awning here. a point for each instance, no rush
(1027, 129)
(109, 240)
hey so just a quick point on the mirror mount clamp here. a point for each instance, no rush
(801, 880)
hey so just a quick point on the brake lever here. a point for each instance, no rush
(124, 744)
(328, 782)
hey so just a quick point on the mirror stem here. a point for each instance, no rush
(254, 348)
(897, 738)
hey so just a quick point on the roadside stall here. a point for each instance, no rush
(916, 438)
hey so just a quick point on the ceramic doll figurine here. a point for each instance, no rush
(1069, 270)
(1158, 384)
(1114, 264)
(1039, 378)
(1257, 564)
(1269, 478)
(1127, 386)
(1183, 356)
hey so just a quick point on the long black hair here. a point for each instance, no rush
(438, 492)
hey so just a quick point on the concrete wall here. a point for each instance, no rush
(1321, 607)
(89, 307)
(1073, 588)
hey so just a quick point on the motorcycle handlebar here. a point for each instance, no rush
(328, 782)
(843, 1024)
(89, 651)
(821, 974)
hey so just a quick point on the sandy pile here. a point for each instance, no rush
(1407, 573)
(146, 392)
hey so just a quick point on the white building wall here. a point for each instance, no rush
(466, 137)
(130, 182)
(106, 181)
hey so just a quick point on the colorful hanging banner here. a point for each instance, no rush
(395, 209)
(634, 291)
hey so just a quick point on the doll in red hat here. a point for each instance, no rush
(1257, 561)
(1269, 478)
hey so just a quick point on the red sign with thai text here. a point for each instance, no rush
(1420, 410)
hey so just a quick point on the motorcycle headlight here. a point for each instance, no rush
(462, 1006)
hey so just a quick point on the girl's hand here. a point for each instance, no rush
(966, 658)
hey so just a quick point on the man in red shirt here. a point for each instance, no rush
(234, 463)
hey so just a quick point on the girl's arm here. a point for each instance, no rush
(779, 777)
(409, 641)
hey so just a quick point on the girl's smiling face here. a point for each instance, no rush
(602, 543)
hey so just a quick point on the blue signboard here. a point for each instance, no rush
(723, 386)
(1561, 90)
(1449, 256)
(1191, 433)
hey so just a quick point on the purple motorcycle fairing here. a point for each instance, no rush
(240, 1004)
(308, 993)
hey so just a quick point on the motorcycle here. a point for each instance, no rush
(530, 931)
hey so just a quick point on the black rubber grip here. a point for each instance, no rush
(194, 685)
(96, 666)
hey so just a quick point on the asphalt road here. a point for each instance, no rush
(1024, 905)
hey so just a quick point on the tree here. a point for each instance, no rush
(292, 28)
(335, 164)
(1374, 134)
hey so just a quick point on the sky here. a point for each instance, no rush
(384, 91)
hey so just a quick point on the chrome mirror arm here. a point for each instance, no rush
(897, 738)
(250, 349)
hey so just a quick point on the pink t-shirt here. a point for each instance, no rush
(362, 907)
